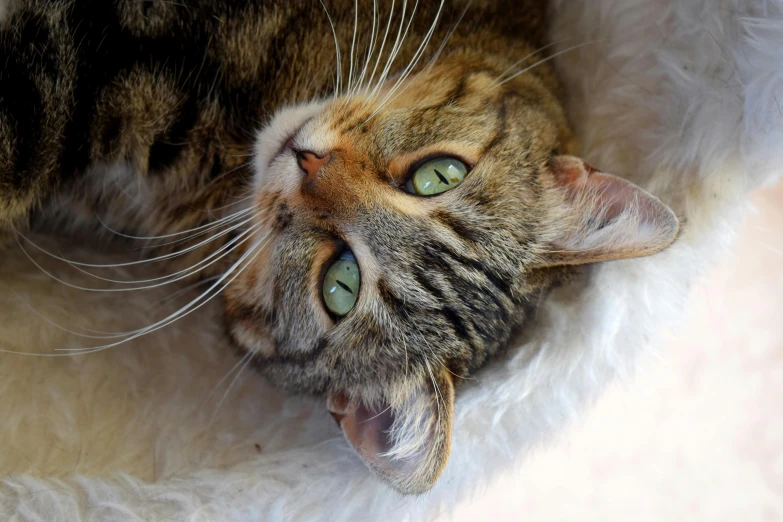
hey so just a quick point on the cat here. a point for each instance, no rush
(384, 191)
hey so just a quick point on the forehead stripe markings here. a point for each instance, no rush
(390, 299)
(500, 130)
(444, 258)
(483, 305)
(418, 275)
(456, 225)
(399, 307)
(453, 317)
(442, 252)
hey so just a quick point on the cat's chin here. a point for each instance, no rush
(275, 138)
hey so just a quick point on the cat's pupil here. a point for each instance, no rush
(440, 177)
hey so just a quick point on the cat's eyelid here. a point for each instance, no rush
(414, 166)
(403, 165)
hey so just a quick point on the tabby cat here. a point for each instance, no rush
(383, 190)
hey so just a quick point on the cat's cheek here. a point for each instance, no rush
(251, 340)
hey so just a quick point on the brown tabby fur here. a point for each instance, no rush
(146, 112)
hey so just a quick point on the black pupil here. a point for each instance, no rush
(344, 286)
(441, 177)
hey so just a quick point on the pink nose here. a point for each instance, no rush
(311, 163)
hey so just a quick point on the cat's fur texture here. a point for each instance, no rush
(680, 96)
(146, 114)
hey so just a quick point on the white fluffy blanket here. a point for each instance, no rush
(683, 97)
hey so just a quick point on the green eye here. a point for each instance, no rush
(436, 176)
(341, 284)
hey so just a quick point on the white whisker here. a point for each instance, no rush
(102, 334)
(33, 354)
(176, 276)
(396, 47)
(134, 289)
(338, 58)
(235, 215)
(432, 60)
(353, 45)
(241, 360)
(438, 394)
(184, 291)
(426, 361)
(550, 57)
(458, 376)
(371, 46)
(377, 415)
(233, 272)
(194, 236)
(383, 44)
(246, 359)
(141, 261)
(414, 60)
(237, 202)
(515, 64)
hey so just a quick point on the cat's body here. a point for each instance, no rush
(169, 96)
(148, 115)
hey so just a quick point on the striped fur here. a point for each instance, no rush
(160, 116)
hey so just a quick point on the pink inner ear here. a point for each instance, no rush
(408, 446)
(615, 198)
(580, 178)
(371, 427)
(614, 194)
(368, 430)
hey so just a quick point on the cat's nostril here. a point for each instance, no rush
(311, 163)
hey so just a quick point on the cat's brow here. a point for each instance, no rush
(500, 131)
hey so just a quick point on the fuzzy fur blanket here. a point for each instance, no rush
(682, 97)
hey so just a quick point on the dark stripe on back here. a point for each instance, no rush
(104, 50)
(166, 148)
(107, 50)
(449, 313)
(20, 96)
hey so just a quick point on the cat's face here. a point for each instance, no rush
(404, 234)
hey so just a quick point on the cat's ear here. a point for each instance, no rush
(603, 217)
(406, 444)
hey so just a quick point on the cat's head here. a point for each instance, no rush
(404, 234)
